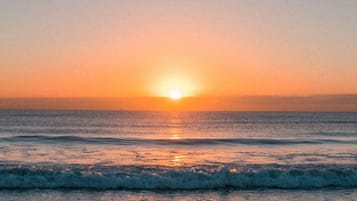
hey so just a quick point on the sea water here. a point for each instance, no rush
(140, 155)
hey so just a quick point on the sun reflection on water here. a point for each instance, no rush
(175, 133)
(177, 160)
(175, 129)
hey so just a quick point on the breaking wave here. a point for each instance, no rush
(168, 178)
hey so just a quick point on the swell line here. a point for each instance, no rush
(184, 141)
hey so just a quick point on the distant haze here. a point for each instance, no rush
(347, 103)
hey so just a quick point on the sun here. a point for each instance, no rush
(175, 94)
(174, 86)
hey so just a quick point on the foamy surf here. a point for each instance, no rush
(185, 178)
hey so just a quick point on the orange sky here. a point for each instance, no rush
(204, 48)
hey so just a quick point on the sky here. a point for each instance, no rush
(203, 48)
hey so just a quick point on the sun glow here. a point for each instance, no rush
(175, 94)
(175, 88)
(173, 84)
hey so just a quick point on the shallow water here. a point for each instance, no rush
(182, 154)
(236, 195)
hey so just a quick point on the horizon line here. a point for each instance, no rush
(336, 102)
(184, 97)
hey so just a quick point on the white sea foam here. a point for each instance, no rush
(203, 177)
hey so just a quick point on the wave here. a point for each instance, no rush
(188, 178)
(184, 141)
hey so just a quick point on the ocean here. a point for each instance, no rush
(141, 155)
